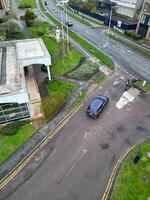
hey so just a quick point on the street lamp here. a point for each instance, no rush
(64, 2)
(111, 11)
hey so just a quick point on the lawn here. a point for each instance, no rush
(104, 59)
(133, 182)
(29, 2)
(43, 28)
(8, 144)
(146, 88)
(61, 86)
(93, 50)
(66, 64)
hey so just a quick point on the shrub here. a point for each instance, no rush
(29, 17)
(52, 104)
(13, 26)
(11, 129)
(132, 34)
(85, 71)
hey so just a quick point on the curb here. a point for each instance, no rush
(112, 179)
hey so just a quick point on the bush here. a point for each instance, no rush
(132, 34)
(52, 104)
(85, 71)
(29, 17)
(11, 129)
(13, 26)
(40, 32)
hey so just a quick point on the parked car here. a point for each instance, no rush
(96, 106)
(69, 23)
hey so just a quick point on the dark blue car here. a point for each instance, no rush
(96, 106)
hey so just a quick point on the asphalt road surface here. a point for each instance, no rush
(86, 150)
(126, 58)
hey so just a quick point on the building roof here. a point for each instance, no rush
(14, 55)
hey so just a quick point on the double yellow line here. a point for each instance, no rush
(37, 149)
(114, 172)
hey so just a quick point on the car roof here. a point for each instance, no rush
(96, 104)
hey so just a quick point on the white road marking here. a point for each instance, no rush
(86, 134)
(81, 156)
(128, 96)
(116, 82)
(106, 92)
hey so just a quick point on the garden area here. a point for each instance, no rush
(13, 136)
(72, 65)
(133, 181)
(27, 4)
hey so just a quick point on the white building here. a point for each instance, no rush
(143, 27)
(19, 93)
(130, 8)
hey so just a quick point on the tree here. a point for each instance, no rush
(13, 26)
(30, 17)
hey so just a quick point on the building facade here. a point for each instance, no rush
(19, 92)
(130, 8)
(143, 27)
(4, 4)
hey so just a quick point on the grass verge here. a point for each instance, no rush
(66, 63)
(133, 180)
(131, 46)
(61, 86)
(32, 3)
(9, 144)
(104, 59)
(145, 88)
(101, 78)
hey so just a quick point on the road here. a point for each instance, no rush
(86, 150)
(126, 58)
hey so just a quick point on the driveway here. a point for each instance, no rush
(85, 152)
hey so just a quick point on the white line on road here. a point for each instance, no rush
(84, 152)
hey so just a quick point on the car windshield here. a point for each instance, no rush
(96, 104)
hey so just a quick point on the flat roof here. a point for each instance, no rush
(14, 55)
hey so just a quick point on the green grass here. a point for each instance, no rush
(146, 88)
(51, 44)
(131, 46)
(9, 144)
(61, 86)
(30, 2)
(62, 66)
(101, 78)
(131, 184)
(93, 50)
(38, 27)
(104, 59)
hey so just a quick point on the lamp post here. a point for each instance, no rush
(107, 38)
(64, 2)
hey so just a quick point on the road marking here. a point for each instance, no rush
(116, 82)
(81, 156)
(86, 134)
(116, 167)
